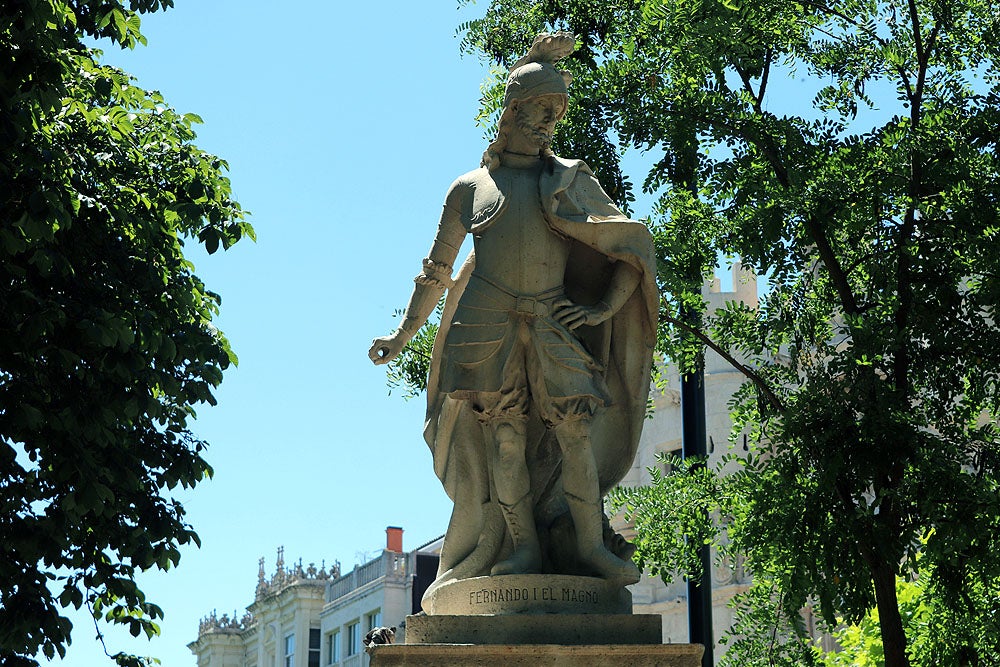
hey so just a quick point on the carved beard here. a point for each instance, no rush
(539, 137)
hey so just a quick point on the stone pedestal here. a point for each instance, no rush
(564, 629)
(556, 640)
(529, 593)
(537, 655)
(532, 619)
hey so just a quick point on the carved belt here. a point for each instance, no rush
(539, 305)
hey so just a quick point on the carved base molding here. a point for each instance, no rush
(551, 620)
(607, 655)
(564, 629)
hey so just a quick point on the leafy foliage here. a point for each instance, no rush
(872, 371)
(768, 629)
(939, 635)
(410, 369)
(672, 500)
(106, 341)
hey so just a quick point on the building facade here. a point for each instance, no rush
(309, 617)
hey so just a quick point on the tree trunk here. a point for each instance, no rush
(890, 621)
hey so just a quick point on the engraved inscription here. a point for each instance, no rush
(584, 596)
(579, 595)
(487, 595)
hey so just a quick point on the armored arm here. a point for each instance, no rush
(623, 282)
(435, 275)
(434, 278)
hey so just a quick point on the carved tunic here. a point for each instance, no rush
(502, 337)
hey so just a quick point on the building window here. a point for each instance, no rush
(314, 642)
(333, 648)
(354, 638)
(289, 650)
(373, 620)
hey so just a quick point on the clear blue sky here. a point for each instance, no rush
(343, 124)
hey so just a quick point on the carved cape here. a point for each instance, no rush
(576, 207)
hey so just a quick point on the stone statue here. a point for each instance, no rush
(540, 370)
(379, 636)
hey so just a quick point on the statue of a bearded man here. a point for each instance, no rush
(540, 370)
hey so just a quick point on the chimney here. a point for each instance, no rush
(394, 539)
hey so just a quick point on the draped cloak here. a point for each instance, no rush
(575, 207)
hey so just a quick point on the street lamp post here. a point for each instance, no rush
(693, 440)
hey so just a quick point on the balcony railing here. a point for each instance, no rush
(390, 564)
(356, 660)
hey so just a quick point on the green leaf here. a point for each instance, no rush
(106, 335)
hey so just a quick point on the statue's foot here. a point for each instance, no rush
(525, 560)
(609, 566)
(616, 543)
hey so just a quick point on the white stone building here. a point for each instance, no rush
(304, 617)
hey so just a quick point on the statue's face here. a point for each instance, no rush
(536, 118)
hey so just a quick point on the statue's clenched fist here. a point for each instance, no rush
(386, 348)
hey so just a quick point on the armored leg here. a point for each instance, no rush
(580, 484)
(513, 486)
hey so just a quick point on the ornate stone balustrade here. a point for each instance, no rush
(390, 564)
(284, 577)
(225, 623)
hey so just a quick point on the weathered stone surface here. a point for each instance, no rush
(617, 655)
(529, 593)
(564, 629)
(539, 373)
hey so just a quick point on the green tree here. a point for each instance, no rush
(872, 367)
(106, 341)
(937, 635)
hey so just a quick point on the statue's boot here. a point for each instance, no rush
(513, 491)
(527, 555)
(588, 521)
(583, 495)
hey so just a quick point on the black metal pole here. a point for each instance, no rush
(684, 175)
(694, 443)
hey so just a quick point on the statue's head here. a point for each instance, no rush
(535, 80)
(535, 119)
(536, 94)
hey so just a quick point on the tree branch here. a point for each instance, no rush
(97, 627)
(747, 86)
(904, 280)
(847, 19)
(848, 301)
(757, 380)
(868, 33)
(765, 143)
(915, 27)
(763, 78)
(833, 267)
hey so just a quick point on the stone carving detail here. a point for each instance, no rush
(284, 577)
(225, 623)
(672, 396)
(729, 569)
(379, 636)
(540, 370)
(723, 573)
